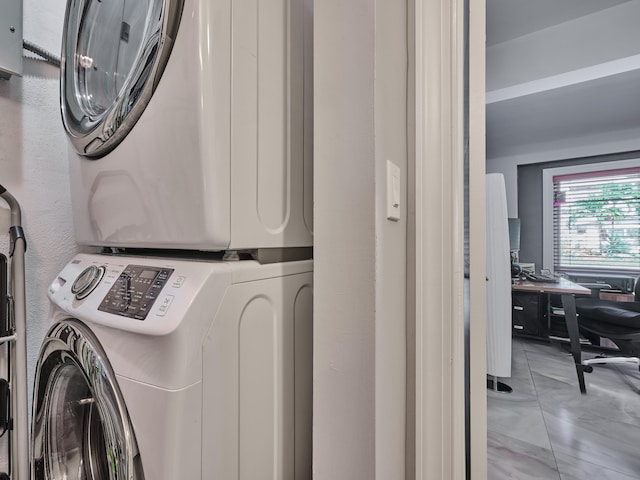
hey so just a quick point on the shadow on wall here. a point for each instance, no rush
(11, 116)
(11, 130)
(37, 68)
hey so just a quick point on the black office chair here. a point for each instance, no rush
(617, 321)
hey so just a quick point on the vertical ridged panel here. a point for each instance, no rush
(274, 159)
(306, 20)
(272, 123)
(303, 367)
(260, 384)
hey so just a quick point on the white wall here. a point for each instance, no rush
(572, 147)
(360, 257)
(33, 168)
(391, 255)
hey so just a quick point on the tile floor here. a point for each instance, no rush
(546, 430)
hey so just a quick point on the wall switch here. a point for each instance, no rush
(393, 191)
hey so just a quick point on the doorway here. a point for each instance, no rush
(559, 76)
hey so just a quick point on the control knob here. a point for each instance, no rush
(87, 281)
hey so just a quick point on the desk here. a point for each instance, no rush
(566, 289)
(563, 286)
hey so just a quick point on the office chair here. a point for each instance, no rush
(617, 321)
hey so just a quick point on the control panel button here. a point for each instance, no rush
(164, 306)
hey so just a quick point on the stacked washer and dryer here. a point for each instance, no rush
(180, 346)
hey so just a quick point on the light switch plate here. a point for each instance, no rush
(10, 38)
(393, 191)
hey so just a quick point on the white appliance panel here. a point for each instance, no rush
(221, 156)
(166, 414)
(219, 386)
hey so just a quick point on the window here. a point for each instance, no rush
(596, 220)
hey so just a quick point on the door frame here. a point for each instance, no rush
(440, 393)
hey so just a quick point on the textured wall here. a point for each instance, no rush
(33, 167)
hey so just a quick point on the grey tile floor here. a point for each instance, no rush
(546, 430)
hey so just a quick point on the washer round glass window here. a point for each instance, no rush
(114, 53)
(81, 429)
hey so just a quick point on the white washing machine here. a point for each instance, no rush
(165, 369)
(190, 122)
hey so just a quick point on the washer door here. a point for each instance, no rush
(113, 54)
(81, 428)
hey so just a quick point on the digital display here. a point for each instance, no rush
(148, 274)
(135, 291)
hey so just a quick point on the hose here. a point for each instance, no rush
(41, 52)
(18, 355)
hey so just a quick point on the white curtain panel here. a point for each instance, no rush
(498, 279)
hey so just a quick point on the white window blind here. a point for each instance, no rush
(596, 220)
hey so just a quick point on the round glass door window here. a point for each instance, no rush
(114, 53)
(81, 429)
(76, 440)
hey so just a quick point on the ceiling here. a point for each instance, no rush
(509, 19)
(559, 116)
(569, 113)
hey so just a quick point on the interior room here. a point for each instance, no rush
(385, 359)
(387, 383)
(561, 112)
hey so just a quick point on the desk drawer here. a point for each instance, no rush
(529, 314)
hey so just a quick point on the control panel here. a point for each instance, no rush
(134, 292)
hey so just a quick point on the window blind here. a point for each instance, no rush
(596, 220)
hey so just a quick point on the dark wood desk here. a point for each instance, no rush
(563, 286)
(567, 291)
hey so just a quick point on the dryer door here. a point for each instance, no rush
(113, 54)
(80, 425)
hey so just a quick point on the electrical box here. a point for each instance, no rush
(10, 38)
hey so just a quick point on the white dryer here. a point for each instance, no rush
(189, 122)
(165, 369)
